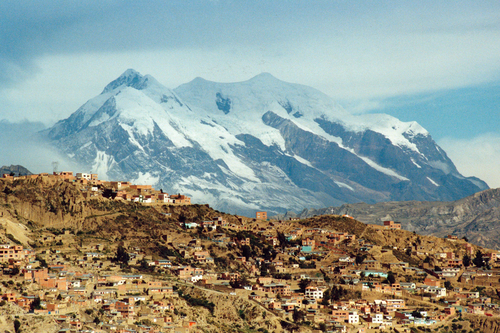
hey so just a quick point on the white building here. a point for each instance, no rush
(408, 285)
(314, 292)
(86, 176)
(377, 318)
(353, 317)
(438, 291)
(163, 197)
(196, 277)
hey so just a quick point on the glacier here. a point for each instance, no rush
(261, 144)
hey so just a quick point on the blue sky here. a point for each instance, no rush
(471, 110)
(434, 62)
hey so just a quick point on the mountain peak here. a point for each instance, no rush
(131, 73)
(130, 78)
(265, 76)
(227, 143)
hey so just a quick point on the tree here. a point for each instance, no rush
(241, 313)
(465, 239)
(17, 325)
(416, 314)
(264, 268)
(282, 239)
(269, 253)
(122, 255)
(246, 251)
(36, 304)
(14, 271)
(466, 260)
(448, 285)
(239, 282)
(391, 278)
(336, 293)
(144, 266)
(303, 284)
(298, 315)
(360, 258)
(478, 260)
(109, 193)
(326, 297)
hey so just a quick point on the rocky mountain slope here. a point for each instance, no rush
(262, 144)
(18, 170)
(54, 204)
(477, 217)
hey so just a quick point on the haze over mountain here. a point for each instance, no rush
(16, 170)
(262, 144)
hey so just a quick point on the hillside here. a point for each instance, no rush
(42, 203)
(477, 217)
(41, 209)
(131, 249)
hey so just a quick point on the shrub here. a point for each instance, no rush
(17, 325)
(198, 302)
(241, 313)
(12, 238)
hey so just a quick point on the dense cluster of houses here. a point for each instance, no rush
(70, 284)
(14, 254)
(92, 187)
(307, 265)
(370, 276)
(426, 282)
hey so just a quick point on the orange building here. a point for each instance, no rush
(394, 305)
(8, 252)
(261, 215)
(9, 297)
(309, 242)
(140, 187)
(340, 315)
(432, 282)
(180, 199)
(66, 175)
(126, 309)
(392, 225)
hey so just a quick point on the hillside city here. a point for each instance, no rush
(229, 273)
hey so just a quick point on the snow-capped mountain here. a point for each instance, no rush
(262, 144)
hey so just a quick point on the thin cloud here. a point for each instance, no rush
(478, 157)
(21, 146)
(60, 54)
